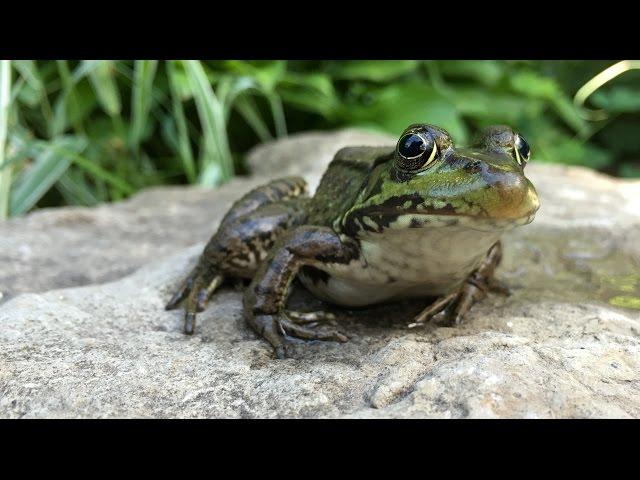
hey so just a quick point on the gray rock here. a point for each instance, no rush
(565, 344)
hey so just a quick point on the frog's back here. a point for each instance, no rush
(342, 182)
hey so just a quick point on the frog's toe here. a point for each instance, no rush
(498, 286)
(189, 323)
(437, 311)
(311, 331)
(270, 329)
(303, 318)
(181, 294)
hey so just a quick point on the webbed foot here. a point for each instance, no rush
(450, 309)
(275, 329)
(195, 291)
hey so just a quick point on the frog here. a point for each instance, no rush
(419, 220)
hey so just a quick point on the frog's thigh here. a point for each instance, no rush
(265, 298)
(275, 191)
(241, 245)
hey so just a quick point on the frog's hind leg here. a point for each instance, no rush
(242, 240)
(265, 299)
(450, 309)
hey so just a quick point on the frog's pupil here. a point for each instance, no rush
(523, 147)
(411, 146)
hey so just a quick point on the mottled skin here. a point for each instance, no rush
(423, 220)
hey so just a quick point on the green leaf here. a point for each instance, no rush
(141, 100)
(74, 103)
(533, 84)
(182, 134)
(216, 158)
(571, 151)
(497, 108)
(6, 170)
(102, 78)
(247, 108)
(629, 170)
(310, 92)
(618, 99)
(372, 70)
(487, 72)
(395, 107)
(47, 168)
(75, 191)
(267, 73)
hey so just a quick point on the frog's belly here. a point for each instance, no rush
(403, 264)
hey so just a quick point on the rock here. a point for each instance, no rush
(565, 344)
(64, 247)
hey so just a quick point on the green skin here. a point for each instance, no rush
(380, 227)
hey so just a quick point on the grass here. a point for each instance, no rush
(91, 131)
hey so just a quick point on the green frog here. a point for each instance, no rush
(423, 219)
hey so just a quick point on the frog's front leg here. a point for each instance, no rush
(265, 299)
(450, 309)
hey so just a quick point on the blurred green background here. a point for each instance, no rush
(85, 132)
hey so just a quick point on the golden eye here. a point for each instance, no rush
(416, 150)
(522, 150)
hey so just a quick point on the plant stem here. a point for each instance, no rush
(5, 170)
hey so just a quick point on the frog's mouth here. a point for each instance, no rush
(474, 222)
(377, 221)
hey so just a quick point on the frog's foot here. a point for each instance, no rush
(498, 286)
(195, 291)
(275, 329)
(437, 307)
(450, 309)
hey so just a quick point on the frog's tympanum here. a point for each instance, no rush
(421, 220)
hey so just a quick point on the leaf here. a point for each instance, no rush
(621, 99)
(310, 92)
(75, 191)
(267, 73)
(74, 103)
(497, 108)
(533, 84)
(47, 168)
(5, 171)
(573, 152)
(486, 72)
(372, 70)
(217, 160)
(141, 99)
(103, 81)
(395, 107)
(246, 106)
(182, 134)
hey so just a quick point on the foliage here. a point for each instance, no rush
(85, 132)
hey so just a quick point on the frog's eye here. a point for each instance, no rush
(416, 150)
(523, 152)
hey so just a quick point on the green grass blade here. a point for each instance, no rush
(278, 114)
(184, 145)
(102, 78)
(66, 98)
(47, 168)
(6, 171)
(141, 99)
(74, 190)
(217, 160)
(247, 108)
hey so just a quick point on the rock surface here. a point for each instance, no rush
(565, 344)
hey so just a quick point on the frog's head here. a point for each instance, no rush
(429, 182)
